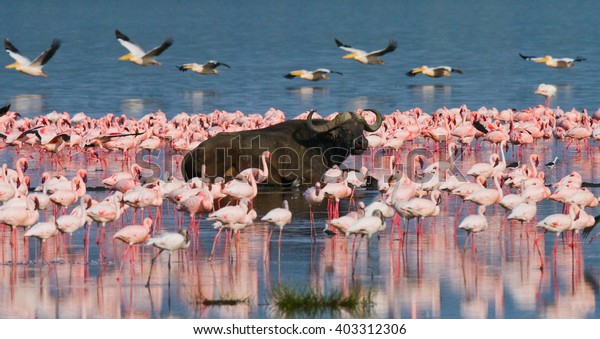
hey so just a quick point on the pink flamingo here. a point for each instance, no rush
(229, 216)
(313, 196)
(135, 172)
(557, 223)
(169, 241)
(259, 174)
(66, 197)
(342, 223)
(336, 191)
(280, 217)
(367, 225)
(474, 223)
(487, 196)
(201, 202)
(43, 231)
(239, 190)
(485, 169)
(132, 235)
(103, 212)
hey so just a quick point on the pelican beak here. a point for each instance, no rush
(349, 56)
(542, 60)
(296, 73)
(13, 65)
(126, 57)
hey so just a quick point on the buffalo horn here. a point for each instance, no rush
(375, 126)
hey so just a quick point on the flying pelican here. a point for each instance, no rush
(371, 58)
(136, 53)
(316, 75)
(24, 65)
(552, 62)
(434, 72)
(207, 68)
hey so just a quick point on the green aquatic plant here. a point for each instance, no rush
(222, 301)
(309, 302)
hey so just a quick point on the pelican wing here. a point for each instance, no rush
(46, 55)
(533, 58)
(185, 67)
(133, 48)
(158, 50)
(13, 52)
(214, 64)
(348, 48)
(413, 72)
(390, 48)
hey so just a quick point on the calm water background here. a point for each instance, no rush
(430, 278)
(264, 40)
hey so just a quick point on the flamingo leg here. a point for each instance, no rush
(152, 265)
(121, 265)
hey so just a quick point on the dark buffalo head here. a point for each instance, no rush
(345, 130)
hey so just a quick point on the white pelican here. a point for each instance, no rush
(552, 62)
(207, 68)
(371, 58)
(316, 75)
(137, 55)
(434, 72)
(23, 64)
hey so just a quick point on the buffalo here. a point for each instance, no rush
(301, 150)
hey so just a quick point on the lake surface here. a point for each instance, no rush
(264, 40)
(432, 276)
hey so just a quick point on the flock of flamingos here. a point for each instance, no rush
(516, 186)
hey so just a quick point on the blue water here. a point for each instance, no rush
(264, 40)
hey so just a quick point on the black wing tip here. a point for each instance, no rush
(393, 44)
(457, 71)
(181, 68)
(411, 74)
(580, 58)
(121, 35)
(525, 57)
(479, 126)
(289, 76)
(223, 64)
(56, 43)
(341, 44)
(8, 45)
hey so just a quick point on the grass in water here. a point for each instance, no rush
(310, 302)
(224, 301)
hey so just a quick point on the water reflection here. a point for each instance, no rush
(430, 93)
(28, 103)
(431, 275)
(305, 93)
(199, 97)
(138, 107)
